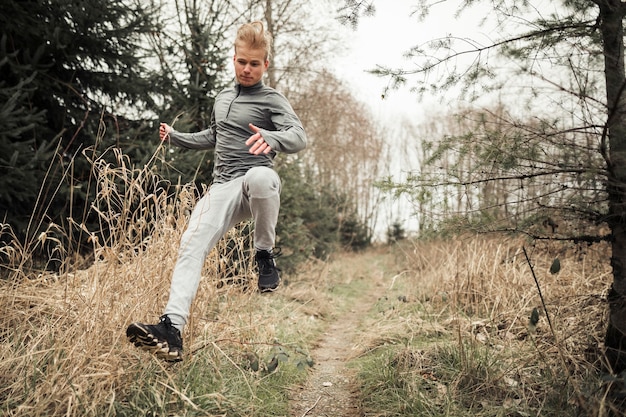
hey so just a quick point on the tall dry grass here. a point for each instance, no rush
(63, 350)
(464, 344)
(491, 278)
(459, 334)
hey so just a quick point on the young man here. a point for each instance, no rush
(249, 124)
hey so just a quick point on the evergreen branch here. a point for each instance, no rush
(477, 49)
(507, 177)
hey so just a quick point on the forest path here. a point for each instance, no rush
(331, 389)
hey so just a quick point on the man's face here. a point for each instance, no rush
(250, 65)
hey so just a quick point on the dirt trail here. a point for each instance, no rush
(331, 389)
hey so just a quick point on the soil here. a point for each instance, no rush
(331, 390)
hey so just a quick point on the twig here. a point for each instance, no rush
(161, 143)
(207, 344)
(312, 407)
(393, 280)
(181, 395)
(543, 302)
(556, 340)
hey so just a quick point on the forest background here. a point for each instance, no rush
(85, 86)
(539, 148)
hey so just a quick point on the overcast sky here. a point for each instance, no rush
(385, 37)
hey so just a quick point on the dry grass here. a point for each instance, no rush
(489, 282)
(462, 345)
(63, 350)
(448, 336)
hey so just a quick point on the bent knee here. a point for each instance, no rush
(262, 180)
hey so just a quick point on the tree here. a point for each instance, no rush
(611, 17)
(333, 118)
(21, 159)
(69, 70)
(339, 126)
(574, 39)
(303, 42)
(193, 51)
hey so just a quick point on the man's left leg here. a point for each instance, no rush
(262, 191)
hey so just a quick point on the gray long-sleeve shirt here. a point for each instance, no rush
(234, 109)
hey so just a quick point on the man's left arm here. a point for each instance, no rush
(289, 136)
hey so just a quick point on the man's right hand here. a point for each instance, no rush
(164, 131)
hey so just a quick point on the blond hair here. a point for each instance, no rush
(254, 35)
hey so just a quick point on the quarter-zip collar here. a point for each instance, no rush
(256, 87)
(245, 90)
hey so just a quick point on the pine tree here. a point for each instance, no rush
(20, 157)
(194, 55)
(68, 69)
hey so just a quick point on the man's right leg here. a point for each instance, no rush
(212, 217)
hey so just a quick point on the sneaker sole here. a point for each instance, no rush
(268, 286)
(267, 289)
(144, 340)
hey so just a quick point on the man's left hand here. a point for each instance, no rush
(259, 146)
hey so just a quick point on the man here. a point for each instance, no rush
(249, 124)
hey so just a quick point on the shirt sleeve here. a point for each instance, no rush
(289, 136)
(205, 139)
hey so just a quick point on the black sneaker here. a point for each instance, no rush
(268, 272)
(163, 339)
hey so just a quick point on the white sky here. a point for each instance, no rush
(394, 29)
(383, 39)
(379, 39)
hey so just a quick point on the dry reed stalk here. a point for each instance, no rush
(490, 277)
(62, 344)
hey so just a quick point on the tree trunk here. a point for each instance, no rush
(269, 19)
(611, 26)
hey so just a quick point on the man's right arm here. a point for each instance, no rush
(204, 139)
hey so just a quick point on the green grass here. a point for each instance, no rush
(454, 380)
(217, 380)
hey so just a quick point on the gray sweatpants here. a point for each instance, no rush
(256, 195)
